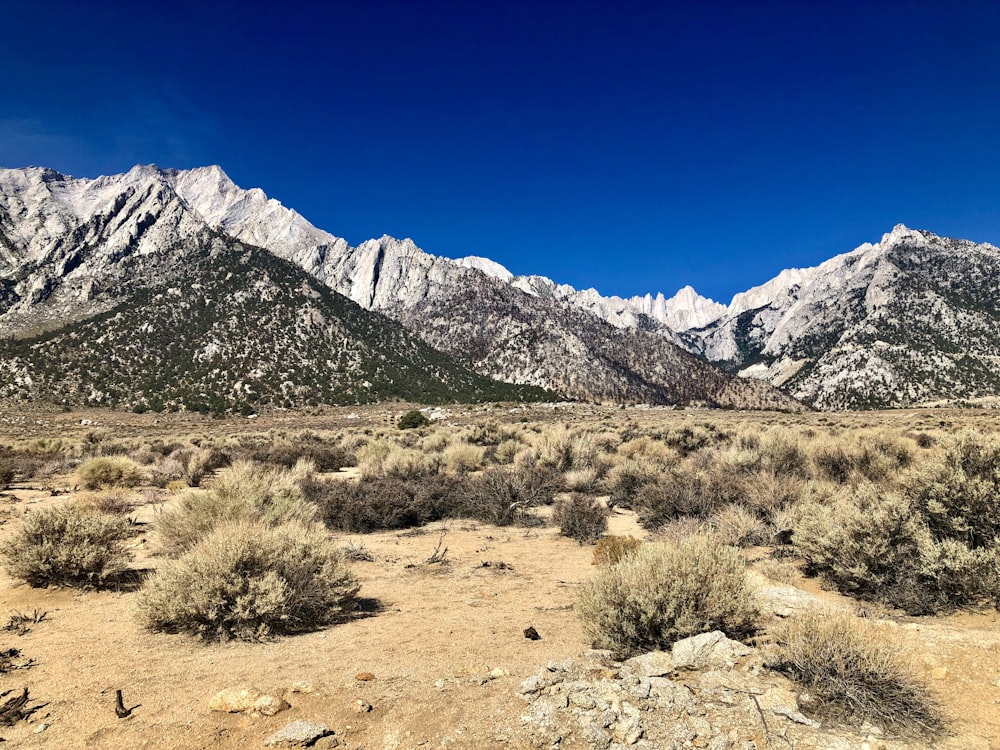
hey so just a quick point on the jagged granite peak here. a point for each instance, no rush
(911, 319)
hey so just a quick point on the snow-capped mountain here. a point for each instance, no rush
(69, 246)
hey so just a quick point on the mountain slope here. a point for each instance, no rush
(115, 291)
(517, 329)
(910, 320)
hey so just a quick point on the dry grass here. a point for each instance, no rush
(855, 670)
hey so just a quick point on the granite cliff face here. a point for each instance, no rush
(912, 319)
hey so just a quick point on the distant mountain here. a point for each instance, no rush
(913, 319)
(123, 296)
(71, 250)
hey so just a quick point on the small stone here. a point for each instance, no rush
(531, 634)
(532, 685)
(330, 741)
(596, 737)
(653, 664)
(364, 677)
(269, 705)
(234, 700)
(797, 717)
(363, 707)
(630, 730)
(301, 687)
(498, 672)
(301, 733)
(41, 728)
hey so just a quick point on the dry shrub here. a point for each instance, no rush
(879, 546)
(435, 442)
(562, 449)
(738, 526)
(611, 549)
(462, 458)
(581, 480)
(505, 496)
(875, 457)
(690, 439)
(384, 502)
(856, 671)
(581, 517)
(624, 480)
(326, 456)
(491, 433)
(118, 502)
(249, 581)
(781, 453)
(665, 592)
(110, 471)
(243, 491)
(163, 471)
(68, 545)
(198, 463)
(405, 463)
(507, 451)
(685, 491)
(767, 495)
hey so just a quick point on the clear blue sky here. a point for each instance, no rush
(628, 146)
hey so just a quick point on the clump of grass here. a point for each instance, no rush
(581, 517)
(611, 549)
(68, 545)
(462, 458)
(110, 471)
(664, 592)
(855, 671)
(249, 581)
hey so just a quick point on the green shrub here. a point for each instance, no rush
(68, 545)
(412, 419)
(663, 593)
(854, 670)
(250, 581)
(110, 471)
(611, 549)
(581, 517)
(243, 491)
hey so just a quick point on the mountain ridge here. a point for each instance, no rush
(68, 242)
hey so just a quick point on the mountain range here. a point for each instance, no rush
(100, 279)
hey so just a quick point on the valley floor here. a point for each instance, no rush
(437, 650)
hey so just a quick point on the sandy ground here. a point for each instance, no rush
(430, 634)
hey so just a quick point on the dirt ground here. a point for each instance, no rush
(428, 634)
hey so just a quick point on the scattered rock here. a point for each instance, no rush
(41, 728)
(269, 705)
(497, 672)
(299, 733)
(363, 707)
(707, 650)
(234, 700)
(364, 677)
(531, 634)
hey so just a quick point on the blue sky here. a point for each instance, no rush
(628, 146)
